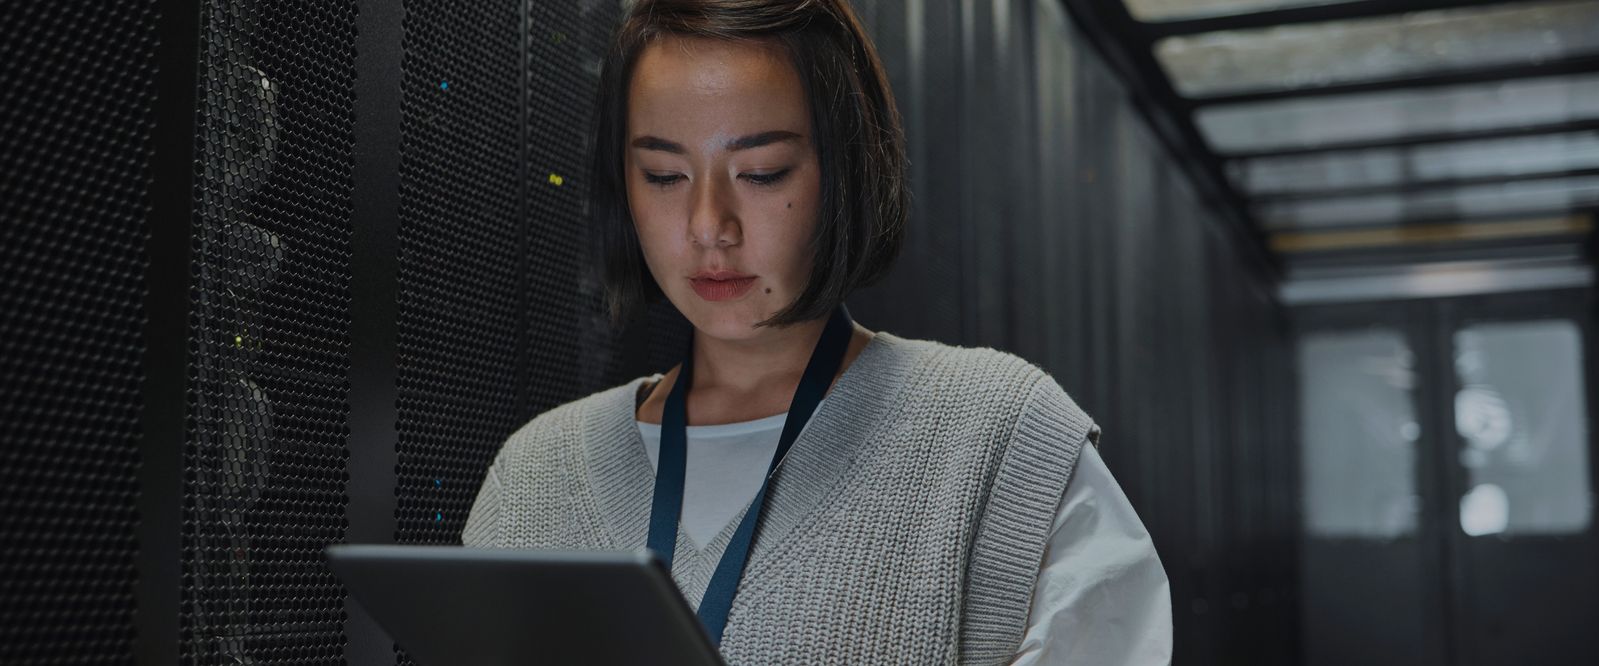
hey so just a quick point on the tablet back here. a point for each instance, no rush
(454, 606)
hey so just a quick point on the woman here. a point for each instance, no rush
(823, 493)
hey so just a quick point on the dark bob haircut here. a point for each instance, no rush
(855, 130)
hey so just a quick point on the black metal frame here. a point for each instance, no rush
(374, 332)
(524, 403)
(172, 159)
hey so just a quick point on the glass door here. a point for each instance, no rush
(1370, 593)
(1447, 475)
(1520, 468)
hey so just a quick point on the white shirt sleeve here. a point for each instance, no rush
(1101, 597)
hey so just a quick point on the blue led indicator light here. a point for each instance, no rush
(438, 483)
(444, 85)
(438, 517)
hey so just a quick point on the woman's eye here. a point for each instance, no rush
(766, 179)
(663, 181)
(761, 179)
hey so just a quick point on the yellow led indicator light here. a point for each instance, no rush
(238, 341)
(556, 179)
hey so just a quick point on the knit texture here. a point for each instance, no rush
(906, 526)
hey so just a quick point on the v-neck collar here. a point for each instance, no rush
(622, 480)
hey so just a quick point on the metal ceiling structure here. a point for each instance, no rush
(1408, 123)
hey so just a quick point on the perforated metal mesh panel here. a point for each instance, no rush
(269, 344)
(569, 345)
(460, 234)
(75, 119)
(499, 319)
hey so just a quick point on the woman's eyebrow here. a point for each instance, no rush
(657, 143)
(764, 138)
(741, 143)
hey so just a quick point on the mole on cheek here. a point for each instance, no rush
(790, 204)
(768, 290)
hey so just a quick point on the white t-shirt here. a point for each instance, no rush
(1101, 596)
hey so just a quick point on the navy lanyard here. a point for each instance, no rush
(670, 467)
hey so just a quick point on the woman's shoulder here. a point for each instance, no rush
(987, 374)
(984, 368)
(567, 420)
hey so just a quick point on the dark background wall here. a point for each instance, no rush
(295, 286)
(1050, 221)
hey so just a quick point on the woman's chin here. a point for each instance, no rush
(731, 321)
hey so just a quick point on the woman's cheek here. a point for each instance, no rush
(650, 244)
(801, 225)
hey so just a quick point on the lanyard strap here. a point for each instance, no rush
(667, 507)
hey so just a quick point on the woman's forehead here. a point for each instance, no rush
(699, 87)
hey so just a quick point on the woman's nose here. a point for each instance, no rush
(712, 220)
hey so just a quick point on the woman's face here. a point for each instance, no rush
(722, 179)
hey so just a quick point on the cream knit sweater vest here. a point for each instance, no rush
(906, 526)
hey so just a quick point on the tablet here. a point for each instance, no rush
(455, 606)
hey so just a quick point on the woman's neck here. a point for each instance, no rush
(777, 356)
(744, 380)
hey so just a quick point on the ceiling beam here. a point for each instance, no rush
(1584, 208)
(1336, 11)
(1406, 141)
(1435, 280)
(1452, 232)
(1586, 64)
(1560, 247)
(1413, 187)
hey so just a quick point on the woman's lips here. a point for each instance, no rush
(722, 290)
